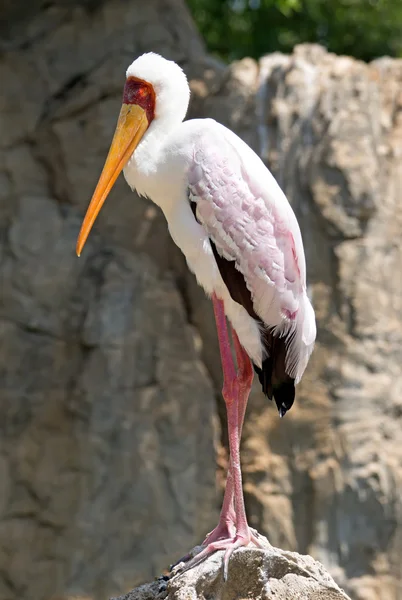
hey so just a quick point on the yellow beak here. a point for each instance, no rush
(131, 126)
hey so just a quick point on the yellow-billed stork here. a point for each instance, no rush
(240, 237)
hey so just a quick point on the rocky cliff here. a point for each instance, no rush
(110, 416)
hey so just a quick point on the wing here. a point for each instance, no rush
(252, 226)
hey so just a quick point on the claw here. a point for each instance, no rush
(183, 559)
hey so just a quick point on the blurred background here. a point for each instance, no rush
(234, 29)
(113, 444)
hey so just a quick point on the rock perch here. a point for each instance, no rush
(253, 573)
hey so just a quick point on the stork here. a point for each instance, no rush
(241, 239)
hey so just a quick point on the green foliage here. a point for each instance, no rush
(362, 28)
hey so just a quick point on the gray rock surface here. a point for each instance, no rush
(258, 574)
(109, 425)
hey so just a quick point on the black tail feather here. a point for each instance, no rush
(274, 380)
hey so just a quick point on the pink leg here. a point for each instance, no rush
(245, 376)
(235, 393)
(227, 521)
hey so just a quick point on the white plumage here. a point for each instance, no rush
(203, 161)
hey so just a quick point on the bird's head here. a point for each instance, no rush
(156, 93)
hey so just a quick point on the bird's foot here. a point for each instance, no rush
(222, 531)
(229, 544)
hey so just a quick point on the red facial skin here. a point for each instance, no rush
(140, 93)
